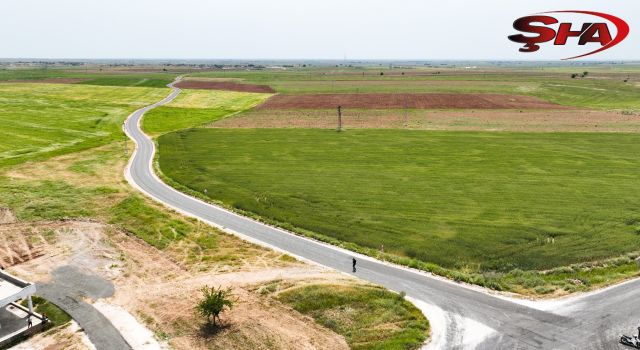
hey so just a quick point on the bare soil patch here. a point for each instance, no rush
(70, 337)
(6, 216)
(409, 100)
(569, 120)
(223, 85)
(255, 322)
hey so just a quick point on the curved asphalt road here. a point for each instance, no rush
(589, 322)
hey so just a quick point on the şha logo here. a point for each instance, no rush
(597, 32)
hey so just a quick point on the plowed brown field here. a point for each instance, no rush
(413, 101)
(223, 85)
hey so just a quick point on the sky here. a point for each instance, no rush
(291, 29)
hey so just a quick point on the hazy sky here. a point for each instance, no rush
(329, 29)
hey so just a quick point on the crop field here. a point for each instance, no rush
(43, 120)
(79, 76)
(485, 200)
(196, 107)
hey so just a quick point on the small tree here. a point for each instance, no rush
(213, 302)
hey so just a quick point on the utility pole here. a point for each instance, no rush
(406, 114)
(339, 118)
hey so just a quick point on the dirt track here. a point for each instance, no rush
(413, 101)
(223, 85)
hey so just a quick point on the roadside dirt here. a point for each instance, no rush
(569, 120)
(71, 337)
(223, 85)
(408, 100)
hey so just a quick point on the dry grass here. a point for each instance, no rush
(232, 100)
(203, 249)
(70, 337)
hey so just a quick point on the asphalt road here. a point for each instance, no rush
(68, 289)
(589, 322)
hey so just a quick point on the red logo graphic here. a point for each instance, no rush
(593, 32)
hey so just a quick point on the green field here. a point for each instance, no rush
(44, 120)
(480, 201)
(106, 78)
(196, 107)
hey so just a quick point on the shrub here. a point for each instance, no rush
(213, 302)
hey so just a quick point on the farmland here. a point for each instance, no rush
(413, 101)
(601, 89)
(85, 77)
(568, 120)
(196, 107)
(512, 179)
(43, 120)
(481, 200)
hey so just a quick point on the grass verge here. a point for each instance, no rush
(368, 317)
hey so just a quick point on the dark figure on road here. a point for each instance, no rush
(354, 265)
(29, 322)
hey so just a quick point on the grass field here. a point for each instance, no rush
(196, 107)
(44, 120)
(368, 317)
(90, 78)
(485, 201)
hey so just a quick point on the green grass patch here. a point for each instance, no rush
(150, 224)
(368, 317)
(57, 317)
(471, 201)
(47, 200)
